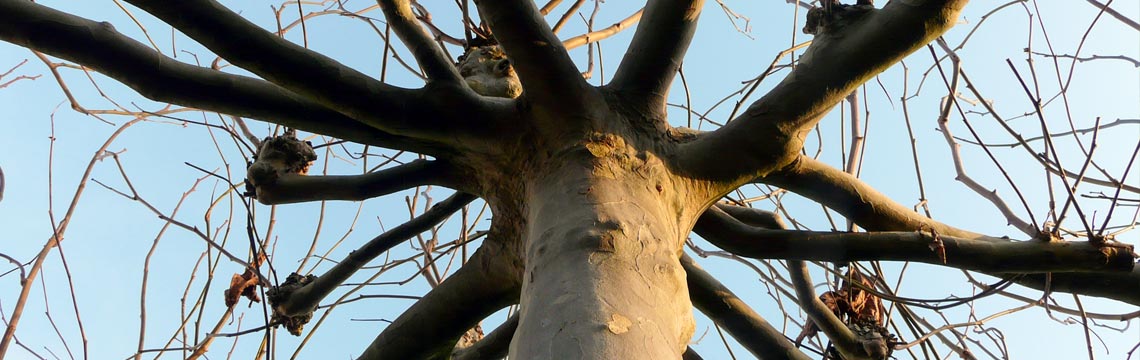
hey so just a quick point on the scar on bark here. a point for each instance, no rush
(488, 72)
(833, 16)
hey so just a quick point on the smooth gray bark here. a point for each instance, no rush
(602, 278)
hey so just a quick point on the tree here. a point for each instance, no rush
(593, 192)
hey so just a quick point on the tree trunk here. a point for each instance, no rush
(603, 280)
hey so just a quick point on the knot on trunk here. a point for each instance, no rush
(281, 294)
(487, 70)
(832, 16)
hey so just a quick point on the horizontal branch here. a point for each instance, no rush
(1112, 283)
(845, 53)
(734, 315)
(1120, 286)
(993, 256)
(440, 112)
(99, 47)
(293, 188)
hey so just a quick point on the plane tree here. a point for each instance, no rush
(594, 193)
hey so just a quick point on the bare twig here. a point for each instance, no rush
(1124, 19)
(17, 78)
(57, 236)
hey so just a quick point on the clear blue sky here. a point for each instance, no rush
(110, 236)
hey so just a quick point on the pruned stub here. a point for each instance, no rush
(280, 294)
(833, 16)
(278, 156)
(487, 70)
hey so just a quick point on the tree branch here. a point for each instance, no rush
(293, 188)
(843, 56)
(305, 300)
(100, 47)
(752, 217)
(730, 312)
(992, 256)
(656, 52)
(691, 354)
(441, 112)
(1120, 286)
(599, 35)
(429, 55)
(429, 329)
(548, 76)
(876, 212)
(717, 219)
(855, 199)
(842, 337)
(718, 227)
(1124, 19)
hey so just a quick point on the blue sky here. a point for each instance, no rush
(109, 236)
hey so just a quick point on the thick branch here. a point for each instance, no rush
(874, 211)
(293, 188)
(439, 112)
(730, 312)
(305, 299)
(656, 52)
(429, 55)
(548, 76)
(842, 57)
(991, 255)
(430, 328)
(853, 198)
(1120, 286)
(100, 47)
(717, 227)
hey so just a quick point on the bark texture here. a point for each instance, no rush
(603, 278)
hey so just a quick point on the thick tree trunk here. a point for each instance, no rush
(603, 279)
